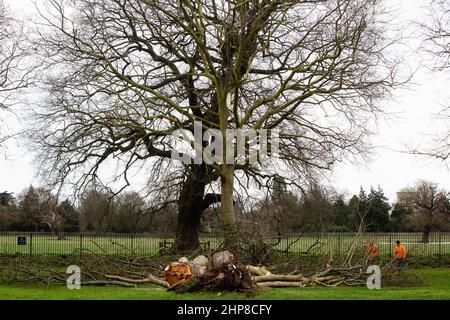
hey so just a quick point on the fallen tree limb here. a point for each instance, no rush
(157, 281)
(275, 284)
(103, 271)
(257, 271)
(150, 279)
(327, 277)
(279, 277)
(108, 283)
(321, 279)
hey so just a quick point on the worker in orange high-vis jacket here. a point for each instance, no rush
(400, 255)
(372, 252)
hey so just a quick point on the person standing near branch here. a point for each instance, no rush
(371, 253)
(399, 255)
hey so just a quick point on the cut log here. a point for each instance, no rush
(257, 271)
(220, 259)
(279, 277)
(184, 271)
(199, 265)
(178, 272)
(201, 261)
(223, 275)
(226, 278)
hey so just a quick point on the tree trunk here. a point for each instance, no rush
(60, 234)
(189, 214)
(227, 215)
(426, 234)
(191, 204)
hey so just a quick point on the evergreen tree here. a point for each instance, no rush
(377, 211)
(399, 218)
(355, 208)
(30, 209)
(69, 215)
(342, 213)
(6, 198)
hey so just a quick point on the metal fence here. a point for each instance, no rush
(47, 244)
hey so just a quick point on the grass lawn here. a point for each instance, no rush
(436, 286)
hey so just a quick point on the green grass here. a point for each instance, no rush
(118, 244)
(436, 285)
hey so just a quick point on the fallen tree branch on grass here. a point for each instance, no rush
(214, 273)
(109, 283)
(278, 277)
(328, 277)
(150, 279)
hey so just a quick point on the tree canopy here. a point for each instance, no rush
(123, 75)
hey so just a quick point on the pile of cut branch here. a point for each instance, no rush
(219, 273)
(214, 273)
(328, 277)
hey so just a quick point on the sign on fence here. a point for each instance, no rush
(21, 241)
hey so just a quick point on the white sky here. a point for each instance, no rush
(415, 109)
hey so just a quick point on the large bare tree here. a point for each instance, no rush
(13, 71)
(430, 207)
(438, 34)
(124, 74)
(437, 46)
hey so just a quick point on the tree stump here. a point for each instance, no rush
(178, 272)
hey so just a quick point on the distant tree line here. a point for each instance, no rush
(38, 209)
(422, 208)
(322, 209)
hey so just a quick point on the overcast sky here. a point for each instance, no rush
(413, 123)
